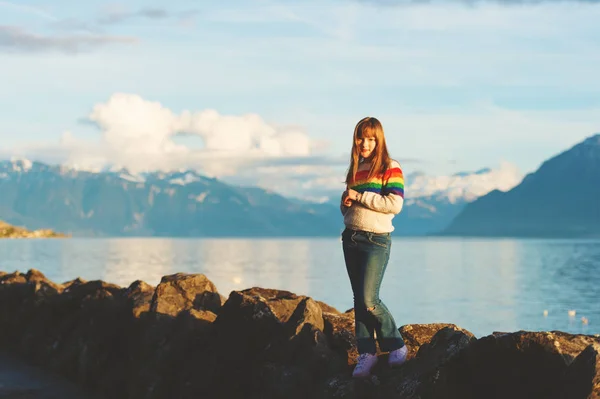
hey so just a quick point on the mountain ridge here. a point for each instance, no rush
(560, 199)
(119, 203)
(87, 195)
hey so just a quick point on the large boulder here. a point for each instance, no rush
(512, 365)
(183, 291)
(582, 379)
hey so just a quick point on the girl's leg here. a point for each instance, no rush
(356, 260)
(377, 249)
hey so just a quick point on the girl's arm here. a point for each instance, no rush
(390, 203)
(391, 198)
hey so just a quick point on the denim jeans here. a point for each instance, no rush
(367, 255)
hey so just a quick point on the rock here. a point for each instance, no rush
(182, 291)
(13, 278)
(203, 315)
(255, 317)
(140, 295)
(43, 286)
(77, 281)
(36, 275)
(435, 349)
(326, 308)
(280, 336)
(339, 329)
(184, 341)
(281, 303)
(582, 379)
(512, 365)
(416, 335)
(89, 291)
(309, 347)
(307, 312)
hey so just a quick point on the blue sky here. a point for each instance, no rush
(260, 91)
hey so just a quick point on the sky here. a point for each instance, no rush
(268, 92)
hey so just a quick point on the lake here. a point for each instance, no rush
(483, 285)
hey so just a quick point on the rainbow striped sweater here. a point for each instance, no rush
(382, 197)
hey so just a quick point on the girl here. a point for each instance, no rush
(374, 195)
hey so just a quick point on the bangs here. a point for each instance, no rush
(367, 132)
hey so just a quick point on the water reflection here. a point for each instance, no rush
(563, 276)
(238, 264)
(481, 285)
(232, 264)
(127, 260)
(437, 280)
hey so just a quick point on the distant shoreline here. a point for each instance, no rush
(8, 231)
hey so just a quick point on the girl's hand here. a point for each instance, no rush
(353, 195)
(345, 200)
(349, 196)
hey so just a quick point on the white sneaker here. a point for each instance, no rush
(397, 357)
(366, 362)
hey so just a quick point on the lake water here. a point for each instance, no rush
(483, 285)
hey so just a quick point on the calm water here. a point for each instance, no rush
(483, 285)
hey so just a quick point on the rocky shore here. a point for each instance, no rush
(182, 339)
(10, 231)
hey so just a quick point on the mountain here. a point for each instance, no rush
(432, 202)
(117, 203)
(560, 199)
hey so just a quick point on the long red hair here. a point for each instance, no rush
(380, 159)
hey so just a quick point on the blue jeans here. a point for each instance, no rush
(367, 255)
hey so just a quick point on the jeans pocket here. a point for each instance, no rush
(381, 240)
(348, 238)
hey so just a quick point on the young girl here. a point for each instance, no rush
(374, 195)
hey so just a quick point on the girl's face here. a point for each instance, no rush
(366, 146)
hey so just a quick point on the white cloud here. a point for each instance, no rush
(138, 134)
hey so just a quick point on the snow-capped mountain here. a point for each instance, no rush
(181, 203)
(114, 201)
(432, 202)
(14, 165)
(560, 199)
(461, 187)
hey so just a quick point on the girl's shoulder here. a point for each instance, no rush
(394, 170)
(394, 164)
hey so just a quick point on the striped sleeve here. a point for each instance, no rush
(393, 180)
(391, 199)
